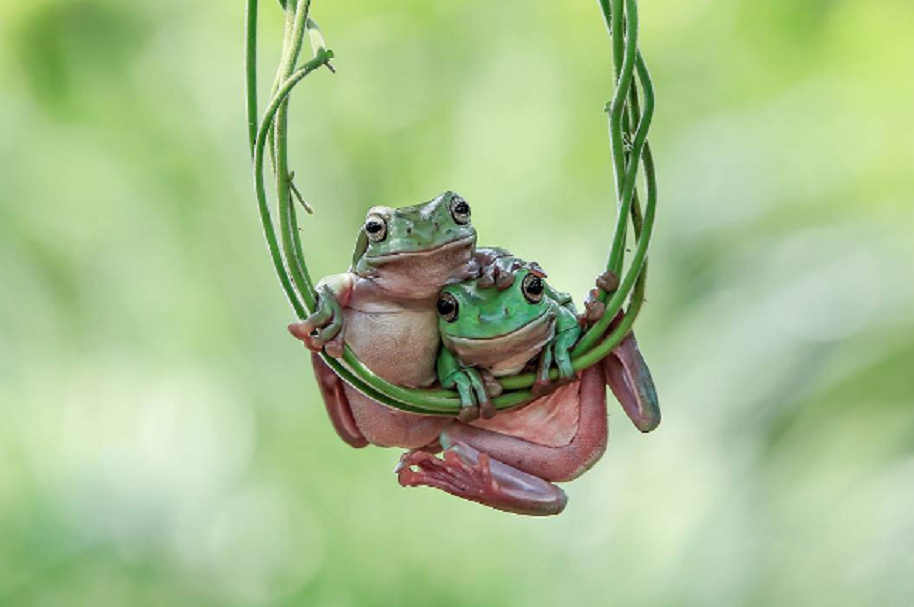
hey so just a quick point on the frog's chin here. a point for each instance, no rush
(505, 354)
(421, 274)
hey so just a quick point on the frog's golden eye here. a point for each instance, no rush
(533, 288)
(447, 307)
(460, 210)
(376, 228)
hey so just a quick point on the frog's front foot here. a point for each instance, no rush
(557, 352)
(498, 268)
(474, 397)
(466, 473)
(323, 330)
(607, 282)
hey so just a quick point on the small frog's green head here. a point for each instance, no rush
(419, 248)
(486, 327)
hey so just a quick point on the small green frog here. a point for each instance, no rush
(511, 462)
(500, 331)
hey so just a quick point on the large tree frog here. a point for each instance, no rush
(511, 462)
(384, 309)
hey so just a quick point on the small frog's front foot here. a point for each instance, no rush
(607, 282)
(498, 268)
(323, 330)
(474, 396)
(557, 352)
(466, 473)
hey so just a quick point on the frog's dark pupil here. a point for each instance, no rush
(447, 307)
(535, 286)
(374, 227)
(462, 208)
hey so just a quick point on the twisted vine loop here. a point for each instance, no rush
(629, 122)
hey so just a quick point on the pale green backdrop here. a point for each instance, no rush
(161, 437)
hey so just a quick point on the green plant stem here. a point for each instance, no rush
(640, 150)
(633, 61)
(288, 226)
(250, 70)
(623, 25)
(299, 288)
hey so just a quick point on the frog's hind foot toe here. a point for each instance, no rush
(466, 473)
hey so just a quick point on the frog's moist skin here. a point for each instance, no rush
(384, 309)
(511, 461)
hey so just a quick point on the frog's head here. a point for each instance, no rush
(413, 251)
(497, 330)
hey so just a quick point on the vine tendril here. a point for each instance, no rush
(628, 121)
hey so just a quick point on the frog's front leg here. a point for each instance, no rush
(558, 352)
(474, 398)
(324, 329)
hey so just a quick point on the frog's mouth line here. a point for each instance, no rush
(454, 244)
(526, 331)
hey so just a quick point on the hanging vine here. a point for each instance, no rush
(629, 122)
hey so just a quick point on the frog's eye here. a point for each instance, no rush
(460, 210)
(533, 288)
(376, 228)
(447, 307)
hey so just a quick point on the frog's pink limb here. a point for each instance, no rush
(337, 404)
(630, 380)
(629, 377)
(511, 473)
(553, 462)
(465, 472)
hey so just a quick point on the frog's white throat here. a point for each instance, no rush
(420, 275)
(504, 354)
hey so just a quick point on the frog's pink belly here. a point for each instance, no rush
(400, 347)
(551, 421)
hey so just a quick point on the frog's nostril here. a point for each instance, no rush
(507, 313)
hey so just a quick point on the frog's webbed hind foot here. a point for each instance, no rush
(466, 473)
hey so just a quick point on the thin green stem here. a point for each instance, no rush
(618, 123)
(639, 150)
(250, 70)
(288, 227)
(259, 187)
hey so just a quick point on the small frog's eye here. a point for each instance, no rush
(533, 288)
(447, 307)
(376, 228)
(460, 210)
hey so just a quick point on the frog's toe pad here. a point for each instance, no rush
(608, 281)
(468, 413)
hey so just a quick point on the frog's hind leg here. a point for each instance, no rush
(465, 472)
(337, 403)
(509, 473)
(629, 377)
(562, 462)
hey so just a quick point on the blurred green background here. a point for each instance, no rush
(161, 437)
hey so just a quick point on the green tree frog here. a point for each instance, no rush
(384, 309)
